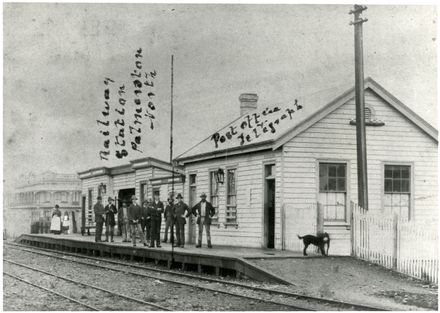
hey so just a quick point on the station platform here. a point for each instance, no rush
(220, 260)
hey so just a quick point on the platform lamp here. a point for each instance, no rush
(220, 176)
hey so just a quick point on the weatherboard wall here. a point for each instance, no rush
(399, 141)
(248, 230)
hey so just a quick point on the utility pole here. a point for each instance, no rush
(361, 140)
(171, 157)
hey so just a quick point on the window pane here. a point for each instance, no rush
(388, 172)
(396, 185)
(396, 172)
(405, 171)
(332, 171)
(388, 185)
(405, 185)
(332, 184)
(192, 179)
(323, 184)
(341, 184)
(341, 170)
(231, 182)
(322, 170)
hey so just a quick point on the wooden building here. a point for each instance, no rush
(282, 163)
(143, 177)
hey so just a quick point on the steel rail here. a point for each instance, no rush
(294, 307)
(50, 291)
(342, 304)
(88, 285)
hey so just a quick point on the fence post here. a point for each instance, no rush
(352, 239)
(320, 219)
(395, 239)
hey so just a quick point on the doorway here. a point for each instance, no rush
(269, 206)
(124, 196)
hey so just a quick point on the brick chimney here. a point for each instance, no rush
(248, 103)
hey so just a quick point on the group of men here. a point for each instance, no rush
(146, 220)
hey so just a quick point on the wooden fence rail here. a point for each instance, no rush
(405, 246)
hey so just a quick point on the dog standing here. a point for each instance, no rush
(320, 241)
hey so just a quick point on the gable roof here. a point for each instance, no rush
(288, 128)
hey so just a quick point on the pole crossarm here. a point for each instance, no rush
(359, 21)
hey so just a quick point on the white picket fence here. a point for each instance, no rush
(406, 246)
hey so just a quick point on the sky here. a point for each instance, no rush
(56, 57)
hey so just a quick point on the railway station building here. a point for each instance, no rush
(271, 171)
(144, 178)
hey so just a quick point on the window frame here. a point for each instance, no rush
(76, 196)
(411, 182)
(336, 178)
(347, 162)
(143, 191)
(227, 205)
(211, 174)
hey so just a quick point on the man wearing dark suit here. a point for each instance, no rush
(204, 211)
(169, 220)
(134, 216)
(156, 220)
(179, 218)
(99, 211)
(146, 219)
(110, 222)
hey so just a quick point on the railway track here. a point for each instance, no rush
(114, 294)
(314, 303)
(241, 299)
(82, 304)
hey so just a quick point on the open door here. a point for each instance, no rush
(269, 206)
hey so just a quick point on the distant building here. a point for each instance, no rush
(34, 199)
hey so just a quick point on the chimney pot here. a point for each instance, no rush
(248, 102)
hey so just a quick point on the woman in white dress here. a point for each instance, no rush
(55, 225)
(66, 223)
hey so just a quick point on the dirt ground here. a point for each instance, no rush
(349, 279)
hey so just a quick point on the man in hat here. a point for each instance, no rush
(155, 214)
(204, 211)
(99, 210)
(179, 217)
(110, 211)
(169, 220)
(123, 222)
(134, 216)
(146, 219)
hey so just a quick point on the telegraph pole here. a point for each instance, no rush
(171, 156)
(361, 140)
